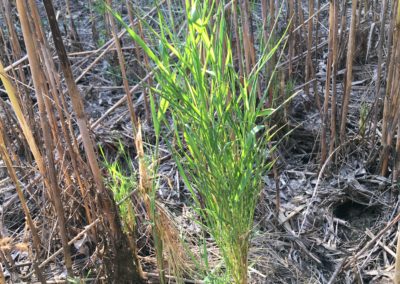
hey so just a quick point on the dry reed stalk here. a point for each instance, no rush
(248, 41)
(134, 120)
(124, 268)
(343, 24)
(15, 103)
(272, 10)
(396, 170)
(145, 189)
(291, 39)
(57, 142)
(72, 141)
(73, 33)
(13, 37)
(317, 27)
(395, 124)
(64, 146)
(379, 72)
(20, 102)
(93, 28)
(121, 60)
(389, 100)
(309, 67)
(22, 121)
(312, 70)
(39, 85)
(325, 116)
(264, 15)
(333, 138)
(164, 228)
(16, 54)
(349, 71)
(55, 85)
(269, 38)
(309, 63)
(238, 45)
(50, 75)
(301, 24)
(13, 175)
(248, 36)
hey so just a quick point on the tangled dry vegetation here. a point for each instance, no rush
(199, 141)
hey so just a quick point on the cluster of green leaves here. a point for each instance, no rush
(219, 125)
(121, 182)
